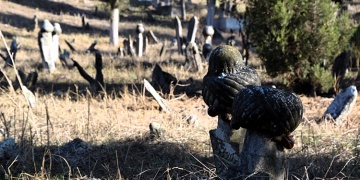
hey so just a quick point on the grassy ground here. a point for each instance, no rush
(115, 129)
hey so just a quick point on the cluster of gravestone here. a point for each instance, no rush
(140, 42)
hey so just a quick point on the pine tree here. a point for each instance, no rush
(293, 38)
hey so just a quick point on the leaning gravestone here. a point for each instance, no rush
(46, 43)
(342, 105)
(178, 34)
(152, 39)
(193, 26)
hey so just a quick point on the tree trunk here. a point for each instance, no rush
(114, 27)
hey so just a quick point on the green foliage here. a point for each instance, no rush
(320, 78)
(293, 37)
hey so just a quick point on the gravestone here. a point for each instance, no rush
(46, 43)
(167, 3)
(178, 34)
(183, 10)
(121, 52)
(342, 105)
(130, 48)
(155, 3)
(36, 24)
(85, 25)
(193, 58)
(193, 26)
(139, 40)
(208, 32)
(222, 10)
(210, 13)
(55, 45)
(163, 50)
(152, 39)
(146, 44)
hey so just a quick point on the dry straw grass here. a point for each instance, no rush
(116, 127)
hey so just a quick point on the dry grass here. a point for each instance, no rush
(116, 127)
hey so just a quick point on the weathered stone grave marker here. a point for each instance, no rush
(45, 40)
(139, 40)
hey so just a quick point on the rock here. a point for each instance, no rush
(156, 131)
(8, 148)
(192, 120)
(342, 105)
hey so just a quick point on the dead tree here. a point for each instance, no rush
(97, 83)
(13, 50)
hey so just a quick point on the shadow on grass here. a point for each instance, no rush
(23, 22)
(141, 158)
(60, 8)
(138, 158)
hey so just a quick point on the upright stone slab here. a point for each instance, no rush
(45, 44)
(208, 32)
(210, 13)
(55, 46)
(139, 40)
(193, 58)
(342, 105)
(178, 34)
(222, 10)
(36, 24)
(130, 48)
(146, 44)
(183, 10)
(163, 50)
(193, 26)
(167, 3)
(155, 3)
